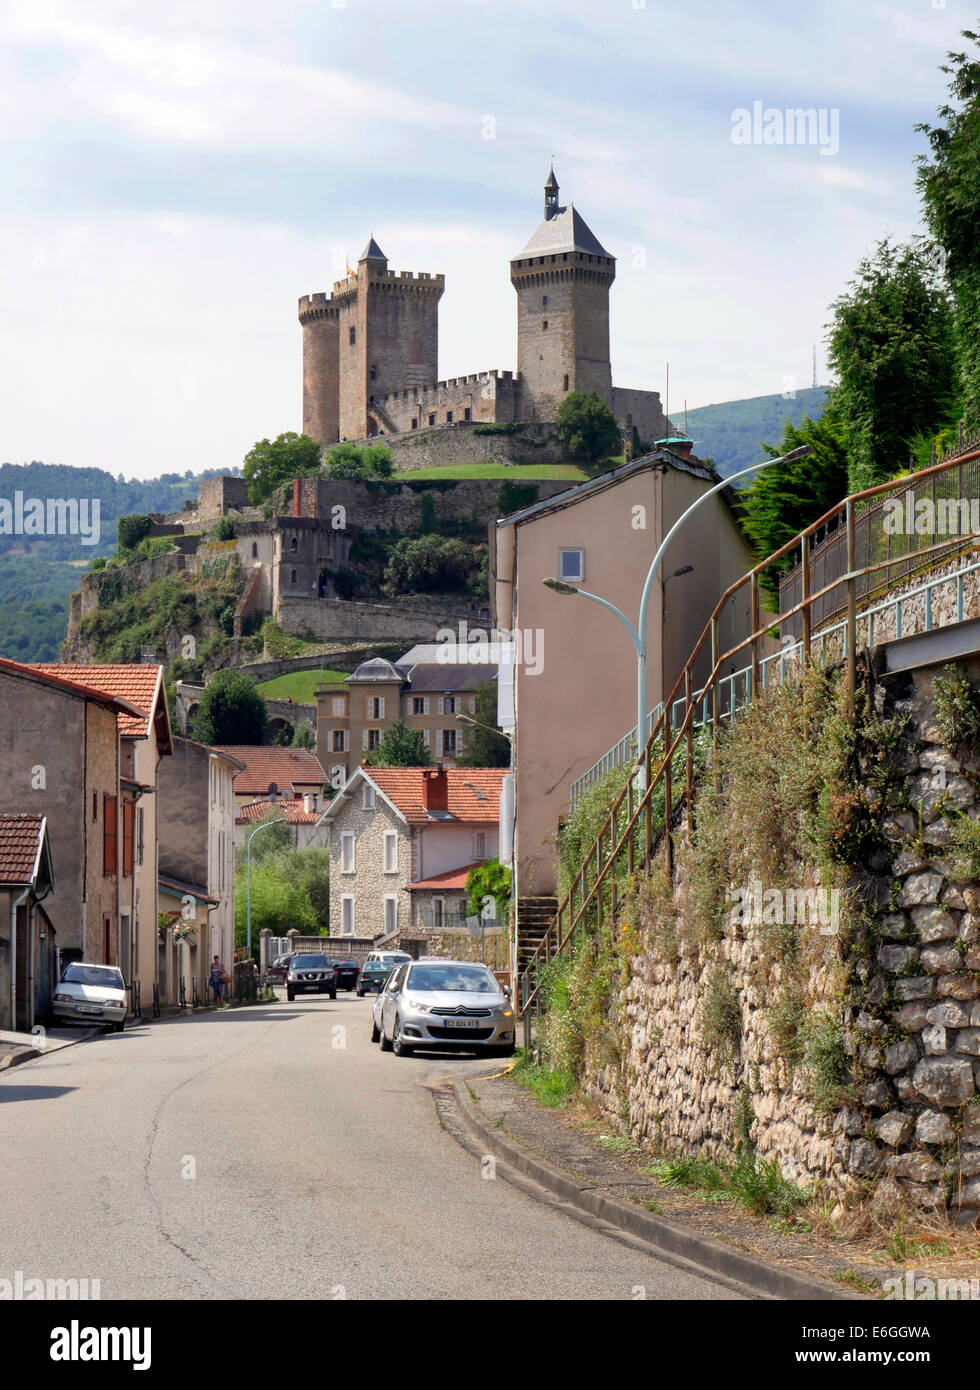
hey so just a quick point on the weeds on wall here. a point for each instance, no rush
(957, 709)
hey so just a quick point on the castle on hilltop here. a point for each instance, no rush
(370, 347)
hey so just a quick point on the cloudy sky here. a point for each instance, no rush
(174, 174)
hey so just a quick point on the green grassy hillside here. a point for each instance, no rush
(732, 432)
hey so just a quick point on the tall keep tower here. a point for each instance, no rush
(378, 332)
(562, 279)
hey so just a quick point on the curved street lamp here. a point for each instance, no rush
(279, 820)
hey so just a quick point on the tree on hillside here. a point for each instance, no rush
(358, 461)
(892, 346)
(273, 462)
(483, 747)
(949, 183)
(400, 746)
(431, 564)
(586, 426)
(231, 711)
(785, 498)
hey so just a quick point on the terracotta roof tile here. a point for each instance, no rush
(291, 811)
(19, 841)
(403, 787)
(136, 684)
(75, 686)
(452, 878)
(287, 767)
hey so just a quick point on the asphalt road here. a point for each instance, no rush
(275, 1152)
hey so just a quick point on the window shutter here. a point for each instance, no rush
(427, 736)
(381, 708)
(439, 709)
(439, 741)
(426, 705)
(472, 704)
(364, 738)
(346, 741)
(128, 817)
(109, 835)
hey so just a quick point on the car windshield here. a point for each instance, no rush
(93, 975)
(310, 962)
(473, 979)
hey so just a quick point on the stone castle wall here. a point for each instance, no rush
(409, 620)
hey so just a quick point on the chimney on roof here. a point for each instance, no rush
(684, 447)
(435, 789)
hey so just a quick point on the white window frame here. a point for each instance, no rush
(390, 841)
(368, 800)
(571, 550)
(439, 741)
(346, 898)
(347, 837)
(393, 899)
(339, 706)
(443, 750)
(379, 701)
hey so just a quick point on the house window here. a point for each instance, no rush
(571, 565)
(480, 845)
(351, 336)
(450, 704)
(339, 741)
(419, 703)
(391, 914)
(373, 738)
(467, 413)
(109, 835)
(128, 825)
(449, 743)
(415, 423)
(432, 419)
(449, 417)
(391, 852)
(338, 707)
(367, 798)
(438, 912)
(376, 707)
(347, 914)
(347, 861)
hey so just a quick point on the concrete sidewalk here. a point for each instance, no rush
(22, 1047)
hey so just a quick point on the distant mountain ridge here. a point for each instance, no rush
(732, 431)
(37, 573)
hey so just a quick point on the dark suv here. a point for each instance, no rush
(310, 974)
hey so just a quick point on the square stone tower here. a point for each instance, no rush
(377, 332)
(562, 279)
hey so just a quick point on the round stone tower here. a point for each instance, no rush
(319, 316)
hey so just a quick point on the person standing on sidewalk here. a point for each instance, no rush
(218, 977)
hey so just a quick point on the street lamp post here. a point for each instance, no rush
(638, 634)
(279, 820)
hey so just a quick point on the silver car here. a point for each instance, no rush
(444, 1003)
(91, 994)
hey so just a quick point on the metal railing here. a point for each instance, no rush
(624, 844)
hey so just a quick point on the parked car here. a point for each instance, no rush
(309, 974)
(91, 994)
(393, 982)
(278, 970)
(445, 1003)
(347, 973)
(372, 978)
(390, 958)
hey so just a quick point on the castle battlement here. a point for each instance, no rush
(451, 383)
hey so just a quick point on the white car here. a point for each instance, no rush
(392, 958)
(444, 1003)
(91, 994)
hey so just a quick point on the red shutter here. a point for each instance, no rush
(109, 835)
(129, 809)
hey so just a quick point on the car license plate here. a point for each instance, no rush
(88, 1009)
(462, 1022)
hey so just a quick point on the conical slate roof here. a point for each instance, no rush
(372, 252)
(566, 231)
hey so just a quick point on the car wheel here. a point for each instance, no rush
(118, 1027)
(375, 1035)
(289, 995)
(400, 1048)
(383, 1040)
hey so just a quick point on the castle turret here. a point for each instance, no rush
(321, 376)
(562, 279)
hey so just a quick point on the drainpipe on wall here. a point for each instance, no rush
(17, 903)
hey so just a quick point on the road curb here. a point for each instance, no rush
(28, 1054)
(710, 1254)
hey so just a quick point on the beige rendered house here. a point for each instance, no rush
(402, 840)
(574, 675)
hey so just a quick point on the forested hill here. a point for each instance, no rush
(37, 573)
(732, 432)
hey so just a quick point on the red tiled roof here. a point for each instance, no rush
(76, 687)
(403, 787)
(287, 767)
(20, 838)
(138, 685)
(452, 878)
(291, 811)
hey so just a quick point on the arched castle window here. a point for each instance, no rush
(255, 550)
(294, 545)
(292, 576)
(352, 337)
